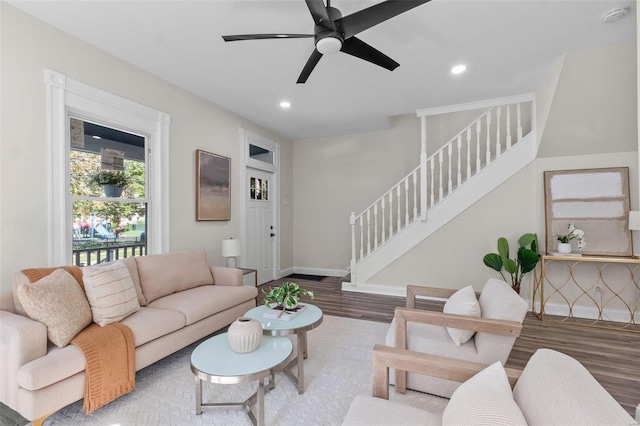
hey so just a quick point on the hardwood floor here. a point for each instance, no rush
(613, 357)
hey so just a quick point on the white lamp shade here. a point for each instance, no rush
(231, 248)
(634, 220)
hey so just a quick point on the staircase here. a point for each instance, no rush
(490, 150)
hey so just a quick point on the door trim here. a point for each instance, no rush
(246, 138)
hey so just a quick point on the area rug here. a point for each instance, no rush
(338, 368)
(306, 277)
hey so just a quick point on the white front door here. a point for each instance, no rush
(260, 225)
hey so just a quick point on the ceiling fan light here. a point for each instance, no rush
(328, 45)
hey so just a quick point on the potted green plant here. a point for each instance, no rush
(564, 241)
(112, 182)
(287, 295)
(525, 261)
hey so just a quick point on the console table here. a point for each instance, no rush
(594, 291)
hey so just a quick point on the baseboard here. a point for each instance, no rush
(382, 289)
(284, 272)
(320, 271)
(616, 315)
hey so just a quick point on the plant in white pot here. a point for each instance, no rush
(564, 241)
(285, 295)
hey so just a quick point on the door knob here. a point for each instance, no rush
(273, 235)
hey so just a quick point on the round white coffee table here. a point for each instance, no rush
(309, 319)
(214, 361)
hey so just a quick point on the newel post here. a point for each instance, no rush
(352, 221)
(423, 168)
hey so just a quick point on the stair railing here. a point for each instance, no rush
(447, 169)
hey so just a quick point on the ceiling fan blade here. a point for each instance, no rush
(319, 13)
(367, 18)
(309, 66)
(241, 37)
(358, 48)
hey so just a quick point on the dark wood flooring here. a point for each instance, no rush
(613, 357)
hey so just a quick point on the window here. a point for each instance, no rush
(107, 186)
(258, 189)
(69, 99)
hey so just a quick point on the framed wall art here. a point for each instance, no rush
(213, 186)
(597, 202)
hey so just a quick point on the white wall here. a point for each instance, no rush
(334, 176)
(337, 175)
(28, 47)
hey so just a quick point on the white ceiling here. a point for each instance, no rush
(509, 47)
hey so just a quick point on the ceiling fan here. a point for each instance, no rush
(334, 33)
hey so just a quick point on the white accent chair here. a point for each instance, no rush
(502, 313)
(552, 390)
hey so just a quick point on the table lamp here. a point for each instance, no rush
(231, 250)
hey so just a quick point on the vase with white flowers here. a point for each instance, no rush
(564, 240)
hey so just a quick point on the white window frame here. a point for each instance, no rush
(65, 97)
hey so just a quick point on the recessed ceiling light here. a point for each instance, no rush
(285, 104)
(458, 69)
(96, 137)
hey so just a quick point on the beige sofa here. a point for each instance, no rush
(182, 299)
(553, 389)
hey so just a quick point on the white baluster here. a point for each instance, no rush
(399, 224)
(415, 195)
(406, 201)
(352, 222)
(361, 238)
(384, 218)
(459, 160)
(478, 130)
(368, 232)
(440, 162)
(375, 226)
(468, 153)
(432, 183)
(450, 182)
(508, 126)
(488, 154)
(498, 146)
(390, 213)
(519, 123)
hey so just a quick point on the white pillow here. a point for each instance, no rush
(484, 399)
(462, 302)
(110, 291)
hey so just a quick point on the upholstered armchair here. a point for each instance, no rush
(492, 333)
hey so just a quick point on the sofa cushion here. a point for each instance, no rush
(59, 302)
(164, 274)
(555, 389)
(462, 302)
(204, 301)
(370, 411)
(132, 265)
(110, 291)
(484, 399)
(58, 364)
(148, 324)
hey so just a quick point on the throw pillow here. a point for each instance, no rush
(462, 302)
(110, 291)
(484, 399)
(58, 302)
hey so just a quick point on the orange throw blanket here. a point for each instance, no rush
(110, 371)
(109, 352)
